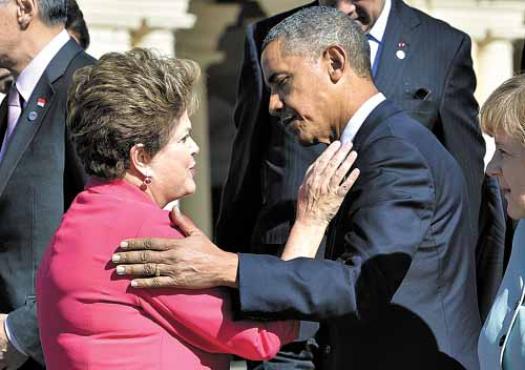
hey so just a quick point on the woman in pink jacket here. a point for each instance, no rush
(128, 115)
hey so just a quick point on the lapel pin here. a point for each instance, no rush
(32, 115)
(401, 53)
(41, 102)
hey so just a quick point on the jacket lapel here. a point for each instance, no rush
(400, 36)
(379, 115)
(34, 113)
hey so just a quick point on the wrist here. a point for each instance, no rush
(310, 226)
(227, 275)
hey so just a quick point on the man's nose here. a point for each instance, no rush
(276, 104)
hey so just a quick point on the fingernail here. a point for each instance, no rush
(115, 258)
(134, 283)
(123, 245)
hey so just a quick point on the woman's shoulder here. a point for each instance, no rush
(158, 225)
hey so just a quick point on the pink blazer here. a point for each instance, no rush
(90, 318)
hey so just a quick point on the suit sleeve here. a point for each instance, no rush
(241, 198)
(461, 131)
(388, 214)
(203, 318)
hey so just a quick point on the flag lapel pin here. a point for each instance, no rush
(41, 102)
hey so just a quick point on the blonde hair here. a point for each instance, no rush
(126, 99)
(504, 110)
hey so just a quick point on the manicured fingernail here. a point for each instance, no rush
(134, 283)
(121, 270)
(123, 245)
(115, 258)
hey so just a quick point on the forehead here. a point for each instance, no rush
(275, 61)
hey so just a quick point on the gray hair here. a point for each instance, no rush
(311, 30)
(52, 12)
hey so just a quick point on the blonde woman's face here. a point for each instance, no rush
(508, 164)
(173, 167)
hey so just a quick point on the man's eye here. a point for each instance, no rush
(283, 82)
(185, 138)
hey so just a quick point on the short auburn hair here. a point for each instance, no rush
(126, 99)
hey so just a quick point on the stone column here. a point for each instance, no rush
(201, 44)
(495, 65)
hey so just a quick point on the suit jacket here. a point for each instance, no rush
(503, 335)
(91, 319)
(434, 84)
(39, 176)
(402, 291)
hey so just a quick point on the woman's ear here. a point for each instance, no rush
(335, 58)
(139, 159)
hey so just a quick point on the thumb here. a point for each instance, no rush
(183, 222)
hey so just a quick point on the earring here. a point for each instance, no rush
(146, 181)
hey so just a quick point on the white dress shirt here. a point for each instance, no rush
(357, 120)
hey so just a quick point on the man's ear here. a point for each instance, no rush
(139, 158)
(26, 12)
(335, 57)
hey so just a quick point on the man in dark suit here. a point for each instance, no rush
(39, 172)
(400, 290)
(421, 63)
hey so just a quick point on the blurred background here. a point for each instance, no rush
(211, 32)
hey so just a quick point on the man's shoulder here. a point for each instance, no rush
(434, 25)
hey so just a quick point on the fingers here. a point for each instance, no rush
(340, 174)
(334, 164)
(138, 257)
(183, 223)
(155, 244)
(325, 158)
(153, 282)
(142, 270)
(348, 183)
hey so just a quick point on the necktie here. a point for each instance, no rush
(14, 110)
(375, 50)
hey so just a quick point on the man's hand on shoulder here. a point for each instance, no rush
(193, 262)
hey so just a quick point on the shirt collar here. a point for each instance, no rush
(29, 77)
(357, 120)
(378, 30)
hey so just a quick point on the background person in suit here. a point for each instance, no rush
(75, 26)
(401, 292)
(39, 172)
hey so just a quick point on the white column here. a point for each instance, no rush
(495, 59)
(161, 40)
